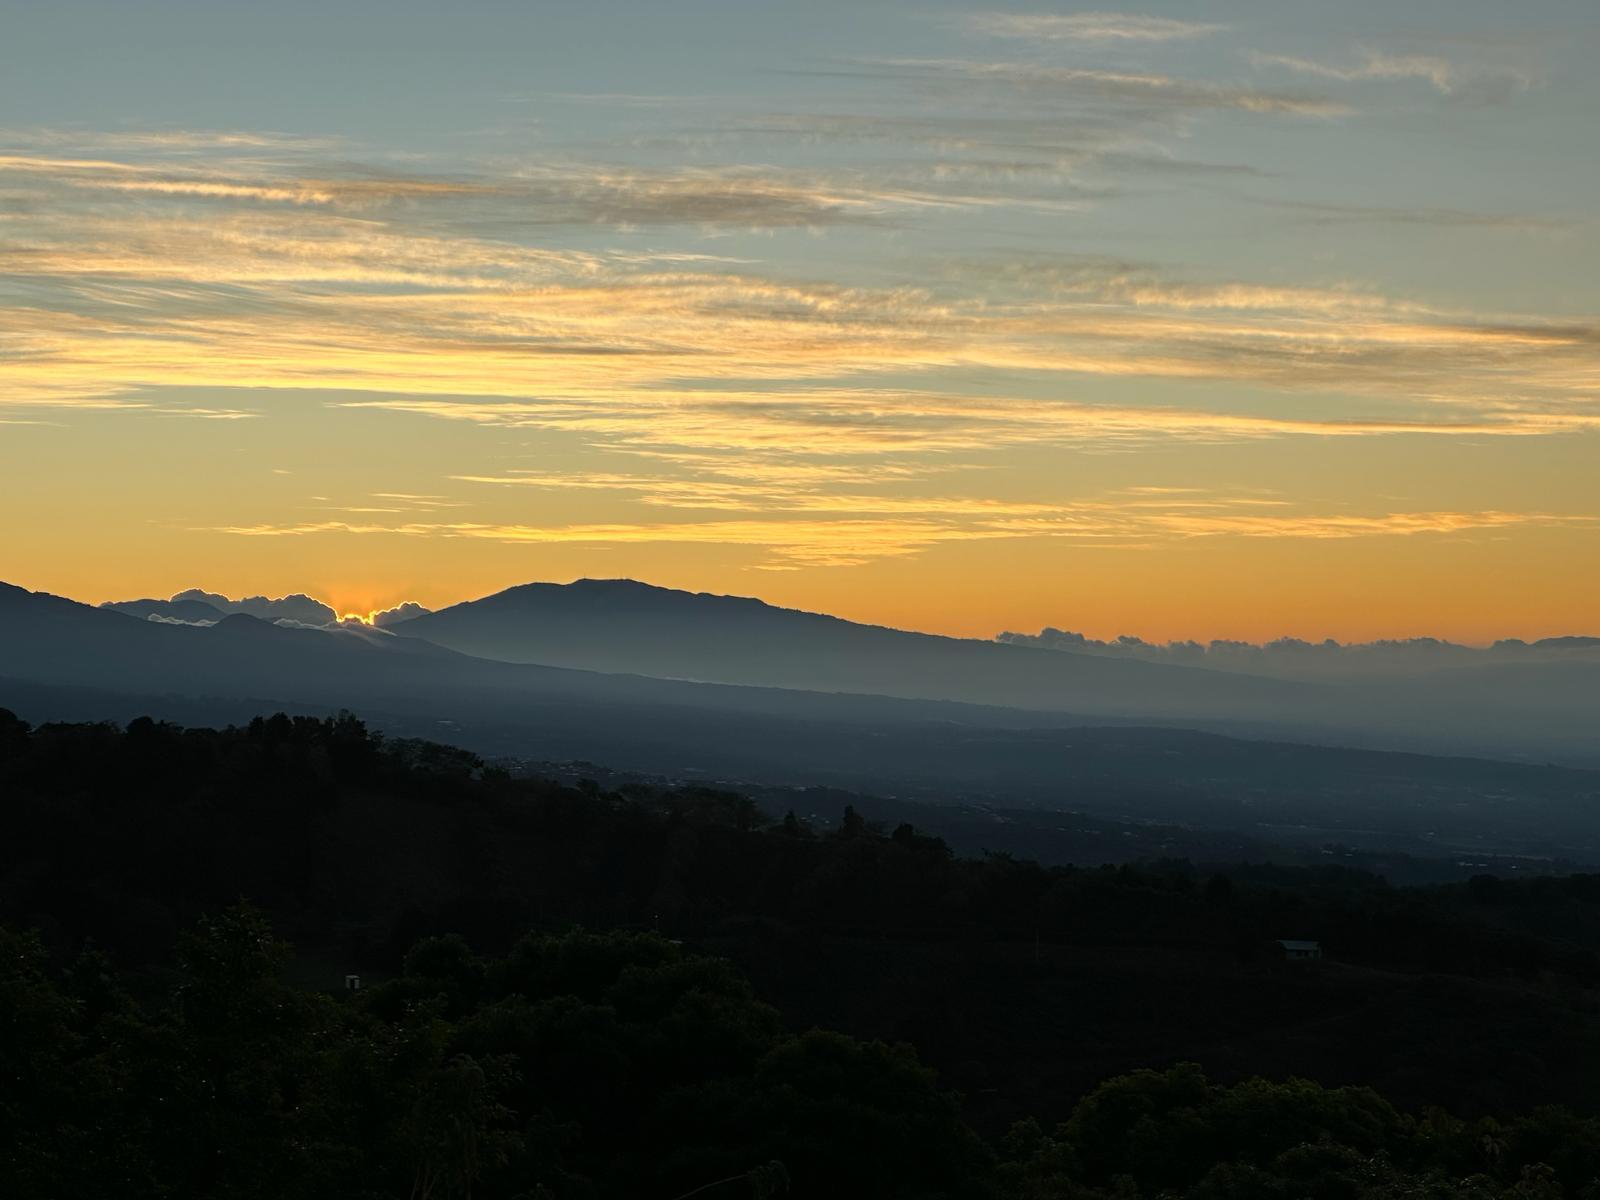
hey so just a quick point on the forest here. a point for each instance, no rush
(569, 991)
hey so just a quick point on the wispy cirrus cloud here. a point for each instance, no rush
(794, 542)
(808, 421)
(788, 545)
(765, 497)
(117, 300)
(1321, 213)
(165, 140)
(525, 195)
(876, 298)
(1013, 145)
(1089, 27)
(374, 503)
(1340, 526)
(1133, 90)
(888, 423)
(202, 414)
(1446, 75)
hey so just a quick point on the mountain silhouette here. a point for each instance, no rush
(61, 660)
(624, 625)
(1544, 709)
(193, 611)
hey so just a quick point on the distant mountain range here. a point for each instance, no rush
(620, 625)
(710, 687)
(189, 611)
(1539, 701)
(1545, 706)
(197, 606)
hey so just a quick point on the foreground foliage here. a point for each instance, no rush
(192, 1055)
(600, 1065)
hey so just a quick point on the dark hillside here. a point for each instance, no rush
(1025, 985)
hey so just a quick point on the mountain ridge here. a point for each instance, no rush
(1506, 707)
(1538, 710)
(673, 633)
(75, 661)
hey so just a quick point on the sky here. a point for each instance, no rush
(1237, 319)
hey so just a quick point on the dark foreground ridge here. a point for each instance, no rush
(572, 992)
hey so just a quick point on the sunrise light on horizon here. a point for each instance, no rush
(1221, 320)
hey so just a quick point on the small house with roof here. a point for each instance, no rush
(1300, 952)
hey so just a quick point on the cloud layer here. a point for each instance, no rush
(1089, 27)
(1295, 658)
(812, 329)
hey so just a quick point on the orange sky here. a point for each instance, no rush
(1192, 328)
